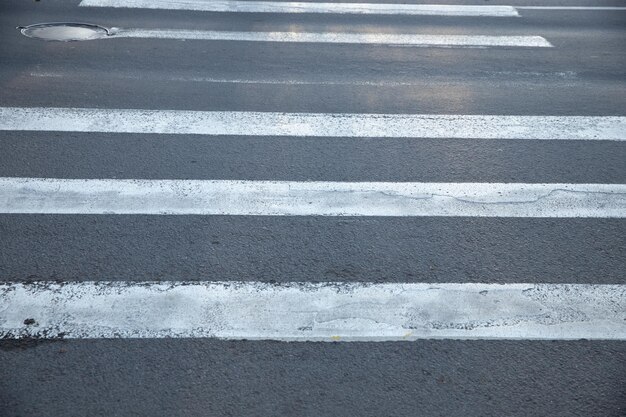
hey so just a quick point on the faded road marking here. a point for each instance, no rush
(243, 123)
(340, 38)
(336, 79)
(293, 198)
(312, 312)
(309, 7)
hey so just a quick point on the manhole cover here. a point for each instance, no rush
(64, 32)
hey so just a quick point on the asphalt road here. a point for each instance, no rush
(583, 74)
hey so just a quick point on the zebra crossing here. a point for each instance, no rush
(287, 224)
(285, 198)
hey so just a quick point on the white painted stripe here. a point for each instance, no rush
(312, 312)
(580, 8)
(291, 198)
(308, 7)
(393, 81)
(342, 38)
(313, 124)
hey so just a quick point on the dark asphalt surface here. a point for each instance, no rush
(583, 74)
(243, 248)
(217, 378)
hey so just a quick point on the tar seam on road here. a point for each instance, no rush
(312, 312)
(313, 124)
(292, 198)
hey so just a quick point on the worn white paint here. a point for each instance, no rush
(334, 37)
(337, 79)
(291, 198)
(312, 312)
(308, 7)
(313, 124)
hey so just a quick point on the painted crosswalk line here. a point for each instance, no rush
(292, 198)
(312, 312)
(341, 79)
(313, 124)
(309, 7)
(339, 38)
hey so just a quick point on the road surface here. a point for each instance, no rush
(305, 209)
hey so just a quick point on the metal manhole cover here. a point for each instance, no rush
(64, 32)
